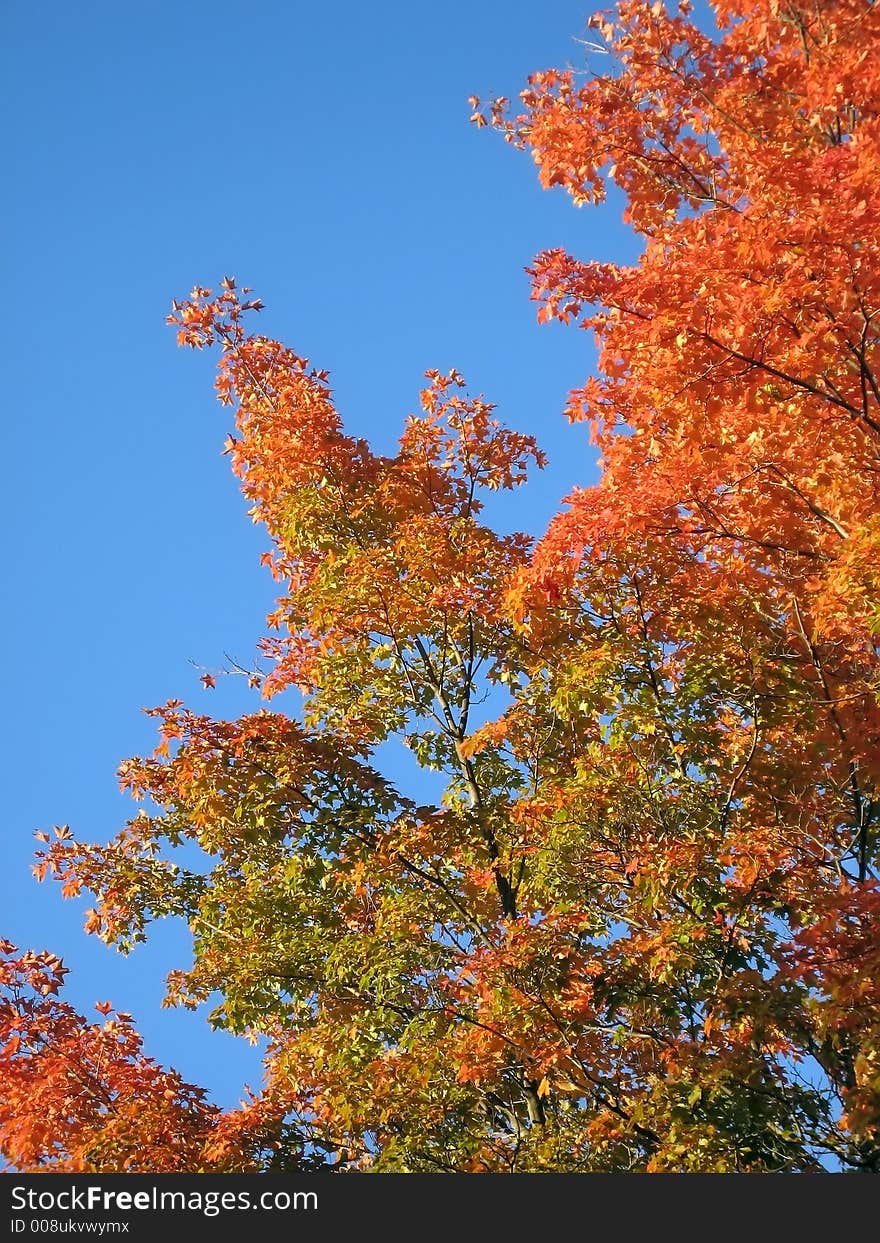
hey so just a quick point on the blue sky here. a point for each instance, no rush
(322, 155)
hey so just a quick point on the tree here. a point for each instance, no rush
(640, 930)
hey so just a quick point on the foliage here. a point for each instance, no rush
(640, 929)
(83, 1097)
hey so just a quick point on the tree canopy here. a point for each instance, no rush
(640, 929)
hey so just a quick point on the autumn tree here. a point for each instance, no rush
(640, 929)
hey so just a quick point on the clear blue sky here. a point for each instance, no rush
(321, 154)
